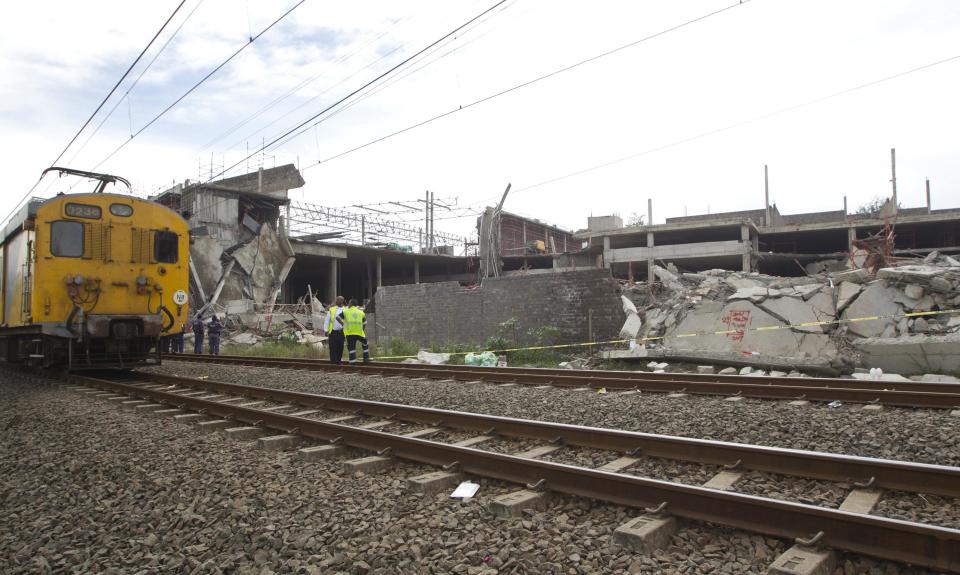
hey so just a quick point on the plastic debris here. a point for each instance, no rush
(465, 490)
(834, 403)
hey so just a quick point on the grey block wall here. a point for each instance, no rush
(442, 313)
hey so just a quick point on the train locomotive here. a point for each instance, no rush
(92, 280)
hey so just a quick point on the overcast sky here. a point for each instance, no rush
(696, 112)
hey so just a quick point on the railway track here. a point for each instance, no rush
(905, 542)
(899, 394)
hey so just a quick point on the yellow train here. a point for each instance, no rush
(92, 280)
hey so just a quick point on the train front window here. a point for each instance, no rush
(66, 239)
(165, 247)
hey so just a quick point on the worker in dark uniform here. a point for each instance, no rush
(198, 331)
(334, 328)
(177, 340)
(164, 344)
(214, 330)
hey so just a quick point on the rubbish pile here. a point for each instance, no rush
(899, 319)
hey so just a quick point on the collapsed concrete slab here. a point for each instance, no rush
(913, 355)
(846, 293)
(876, 301)
(738, 321)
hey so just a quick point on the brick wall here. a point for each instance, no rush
(445, 312)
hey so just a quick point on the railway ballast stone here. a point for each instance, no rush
(88, 488)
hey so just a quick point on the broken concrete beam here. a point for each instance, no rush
(847, 292)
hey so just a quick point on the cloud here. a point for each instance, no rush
(743, 64)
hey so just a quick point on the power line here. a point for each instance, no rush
(370, 83)
(202, 80)
(303, 84)
(727, 127)
(126, 94)
(107, 97)
(529, 82)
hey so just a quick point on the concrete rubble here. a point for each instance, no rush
(827, 323)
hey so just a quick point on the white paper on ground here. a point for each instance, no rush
(465, 490)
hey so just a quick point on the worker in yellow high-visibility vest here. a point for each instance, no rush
(334, 328)
(353, 327)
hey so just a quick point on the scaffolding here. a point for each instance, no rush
(314, 222)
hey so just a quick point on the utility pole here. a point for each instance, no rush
(426, 221)
(928, 195)
(893, 176)
(766, 197)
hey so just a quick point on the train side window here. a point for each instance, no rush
(66, 239)
(165, 247)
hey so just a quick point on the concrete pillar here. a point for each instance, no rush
(851, 235)
(332, 287)
(651, 276)
(745, 238)
(606, 248)
(379, 272)
(416, 270)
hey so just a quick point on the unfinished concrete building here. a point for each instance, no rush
(239, 253)
(765, 240)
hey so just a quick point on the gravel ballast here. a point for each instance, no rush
(921, 435)
(87, 487)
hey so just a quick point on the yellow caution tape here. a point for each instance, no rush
(706, 333)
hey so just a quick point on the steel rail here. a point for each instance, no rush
(889, 474)
(591, 374)
(890, 539)
(800, 388)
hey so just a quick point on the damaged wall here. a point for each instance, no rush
(448, 313)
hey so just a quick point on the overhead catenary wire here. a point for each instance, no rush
(136, 81)
(99, 107)
(730, 126)
(531, 82)
(358, 90)
(201, 82)
(390, 82)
